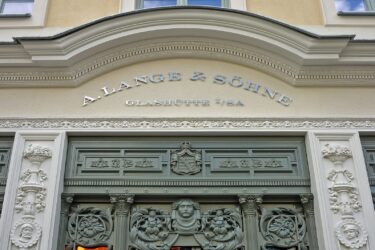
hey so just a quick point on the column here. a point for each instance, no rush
(32, 199)
(66, 202)
(308, 209)
(344, 213)
(123, 205)
(249, 205)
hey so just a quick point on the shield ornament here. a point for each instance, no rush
(186, 161)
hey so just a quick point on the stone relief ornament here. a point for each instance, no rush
(336, 153)
(25, 233)
(282, 227)
(90, 227)
(37, 154)
(351, 234)
(218, 229)
(186, 161)
(253, 163)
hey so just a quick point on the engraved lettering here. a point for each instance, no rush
(140, 79)
(284, 100)
(174, 76)
(219, 79)
(157, 78)
(236, 82)
(107, 92)
(124, 85)
(87, 100)
(198, 76)
(271, 93)
(254, 87)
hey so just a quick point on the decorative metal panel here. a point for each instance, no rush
(368, 145)
(190, 161)
(5, 152)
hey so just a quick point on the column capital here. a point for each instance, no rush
(250, 203)
(122, 202)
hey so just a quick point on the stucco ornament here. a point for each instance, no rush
(351, 234)
(218, 229)
(37, 153)
(90, 227)
(186, 161)
(25, 233)
(282, 227)
(336, 153)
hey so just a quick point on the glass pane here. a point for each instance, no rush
(17, 7)
(216, 3)
(350, 5)
(158, 3)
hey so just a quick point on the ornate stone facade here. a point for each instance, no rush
(30, 199)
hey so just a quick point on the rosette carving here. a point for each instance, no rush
(90, 227)
(282, 227)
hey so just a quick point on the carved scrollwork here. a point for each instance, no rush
(282, 227)
(25, 233)
(186, 161)
(90, 227)
(351, 234)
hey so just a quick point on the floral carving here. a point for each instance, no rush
(282, 227)
(186, 161)
(121, 163)
(351, 234)
(254, 163)
(90, 227)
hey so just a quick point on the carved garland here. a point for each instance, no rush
(30, 198)
(344, 198)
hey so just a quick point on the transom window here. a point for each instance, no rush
(16, 6)
(144, 4)
(355, 5)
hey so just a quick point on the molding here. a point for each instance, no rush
(82, 182)
(296, 56)
(167, 124)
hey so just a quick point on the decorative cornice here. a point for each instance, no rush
(165, 124)
(297, 57)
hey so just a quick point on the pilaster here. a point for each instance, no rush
(249, 205)
(122, 205)
(32, 196)
(344, 213)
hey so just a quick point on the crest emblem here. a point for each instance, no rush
(186, 161)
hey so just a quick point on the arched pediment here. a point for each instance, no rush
(288, 53)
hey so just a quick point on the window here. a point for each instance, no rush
(144, 4)
(16, 6)
(343, 6)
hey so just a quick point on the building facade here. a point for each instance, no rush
(186, 125)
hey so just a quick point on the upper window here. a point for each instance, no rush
(355, 5)
(16, 6)
(143, 4)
